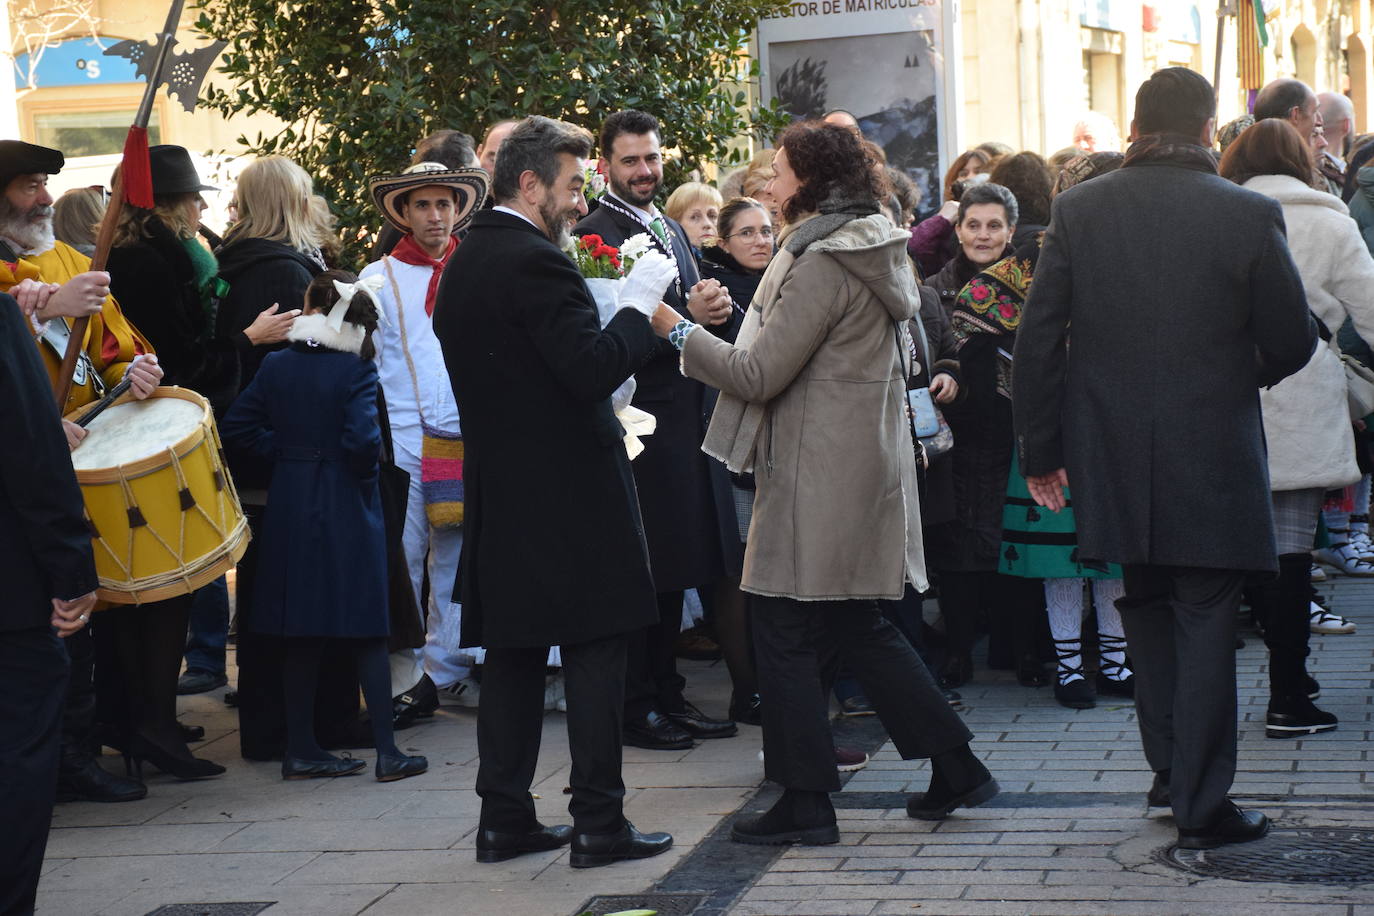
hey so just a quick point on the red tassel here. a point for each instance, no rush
(137, 170)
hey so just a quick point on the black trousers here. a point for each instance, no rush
(78, 712)
(651, 679)
(1180, 625)
(510, 723)
(33, 685)
(793, 640)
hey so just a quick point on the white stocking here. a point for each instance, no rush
(1111, 638)
(1064, 603)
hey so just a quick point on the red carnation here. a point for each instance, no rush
(590, 241)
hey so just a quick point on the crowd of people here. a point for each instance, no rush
(432, 455)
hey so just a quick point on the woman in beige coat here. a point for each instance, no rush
(813, 402)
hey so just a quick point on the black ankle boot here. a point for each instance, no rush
(1294, 716)
(798, 816)
(958, 780)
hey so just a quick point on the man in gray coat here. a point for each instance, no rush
(1183, 300)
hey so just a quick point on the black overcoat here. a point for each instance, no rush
(311, 413)
(45, 546)
(1183, 300)
(553, 544)
(154, 283)
(685, 497)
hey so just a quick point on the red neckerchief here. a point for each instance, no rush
(408, 252)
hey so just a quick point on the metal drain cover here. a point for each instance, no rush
(662, 904)
(1332, 855)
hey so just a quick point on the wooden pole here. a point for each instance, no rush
(104, 239)
(1221, 41)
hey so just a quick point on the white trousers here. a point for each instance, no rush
(440, 550)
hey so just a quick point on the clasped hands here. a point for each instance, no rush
(70, 616)
(80, 297)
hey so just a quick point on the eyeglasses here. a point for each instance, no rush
(751, 233)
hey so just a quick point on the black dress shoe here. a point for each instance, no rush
(391, 767)
(1234, 826)
(655, 732)
(196, 680)
(1159, 795)
(495, 846)
(956, 671)
(419, 702)
(90, 782)
(748, 710)
(696, 723)
(292, 768)
(590, 850)
(191, 733)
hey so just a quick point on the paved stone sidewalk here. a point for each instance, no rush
(1069, 834)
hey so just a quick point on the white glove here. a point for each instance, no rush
(646, 283)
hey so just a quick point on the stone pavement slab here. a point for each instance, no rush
(1069, 834)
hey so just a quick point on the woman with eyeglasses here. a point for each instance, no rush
(742, 249)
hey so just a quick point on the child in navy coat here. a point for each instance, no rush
(322, 570)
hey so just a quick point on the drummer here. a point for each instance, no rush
(52, 282)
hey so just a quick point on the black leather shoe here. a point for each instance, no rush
(1076, 694)
(419, 702)
(291, 768)
(696, 723)
(1159, 795)
(391, 767)
(495, 846)
(655, 732)
(198, 681)
(955, 672)
(590, 850)
(90, 782)
(1234, 826)
(191, 733)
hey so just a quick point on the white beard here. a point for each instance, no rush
(32, 238)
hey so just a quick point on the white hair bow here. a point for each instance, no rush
(370, 285)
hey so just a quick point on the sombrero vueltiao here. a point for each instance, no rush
(469, 186)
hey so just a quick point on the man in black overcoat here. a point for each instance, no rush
(554, 551)
(1180, 298)
(688, 508)
(50, 581)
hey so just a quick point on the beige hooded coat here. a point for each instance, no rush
(836, 514)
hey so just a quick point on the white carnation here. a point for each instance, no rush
(635, 247)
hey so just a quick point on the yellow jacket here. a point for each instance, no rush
(111, 339)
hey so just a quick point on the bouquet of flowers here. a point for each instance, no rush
(593, 182)
(595, 259)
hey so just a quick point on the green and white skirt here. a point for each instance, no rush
(1040, 544)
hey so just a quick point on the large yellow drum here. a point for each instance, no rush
(165, 518)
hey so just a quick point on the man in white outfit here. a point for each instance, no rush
(428, 203)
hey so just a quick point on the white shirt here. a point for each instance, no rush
(437, 404)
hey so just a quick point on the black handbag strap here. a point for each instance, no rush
(388, 455)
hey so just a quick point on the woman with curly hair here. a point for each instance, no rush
(816, 382)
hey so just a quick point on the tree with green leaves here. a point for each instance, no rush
(359, 81)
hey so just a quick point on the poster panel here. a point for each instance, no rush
(886, 61)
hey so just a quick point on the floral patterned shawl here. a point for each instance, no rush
(989, 306)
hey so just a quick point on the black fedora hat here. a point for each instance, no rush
(20, 158)
(174, 172)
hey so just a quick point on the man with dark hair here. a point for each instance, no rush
(685, 497)
(553, 552)
(1155, 422)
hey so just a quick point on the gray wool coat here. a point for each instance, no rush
(1183, 301)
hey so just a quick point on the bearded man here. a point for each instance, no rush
(53, 283)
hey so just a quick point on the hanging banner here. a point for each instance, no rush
(893, 64)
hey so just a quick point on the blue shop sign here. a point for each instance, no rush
(76, 62)
(1112, 15)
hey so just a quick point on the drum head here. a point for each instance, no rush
(134, 430)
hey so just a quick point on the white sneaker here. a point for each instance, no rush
(1323, 621)
(1318, 574)
(465, 693)
(1344, 558)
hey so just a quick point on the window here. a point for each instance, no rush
(89, 133)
